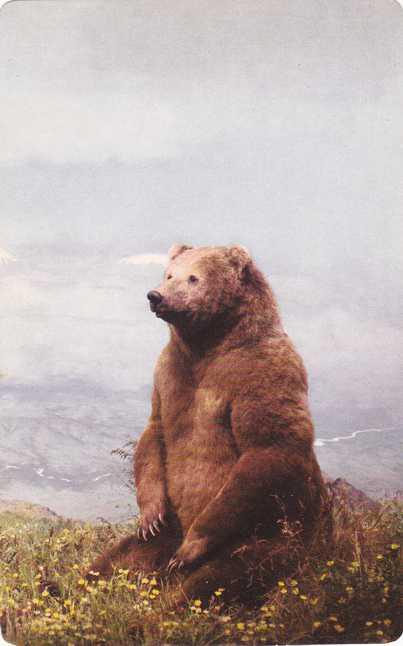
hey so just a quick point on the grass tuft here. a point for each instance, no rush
(349, 596)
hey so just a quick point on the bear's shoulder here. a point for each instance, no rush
(262, 365)
(271, 350)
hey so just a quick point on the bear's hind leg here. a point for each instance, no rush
(216, 575)
(242, 573)
(136, 555)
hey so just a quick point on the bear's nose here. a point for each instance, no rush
(154, 297)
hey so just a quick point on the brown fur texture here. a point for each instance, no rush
(226, 461)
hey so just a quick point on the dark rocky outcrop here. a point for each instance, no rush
(353, 497)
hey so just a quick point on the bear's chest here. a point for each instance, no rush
(200, 449)
(189, 408)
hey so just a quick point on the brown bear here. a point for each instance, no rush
(228, 486)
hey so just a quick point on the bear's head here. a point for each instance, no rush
(200, 285)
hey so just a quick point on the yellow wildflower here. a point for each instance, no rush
(197, 603)
(45, 593)
(394, 546)
(339, 628)
(240, 626)
(218, 593)
(379, 557)
(316, 624)
(330, 563)
(379, 632)
(314, 601)
(387, 622)
(283, 591)
(332, 618)
(153, 581)
(293, 582)
(81, 581)
(369, 623)
(144, 580)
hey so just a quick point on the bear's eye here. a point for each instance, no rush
(193, 279)
(169, 276)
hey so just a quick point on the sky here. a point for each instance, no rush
(126, 127)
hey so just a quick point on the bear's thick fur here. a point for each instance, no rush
(228, 486)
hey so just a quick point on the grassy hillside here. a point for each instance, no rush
(350, 595)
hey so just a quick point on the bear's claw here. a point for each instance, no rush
(152, 528)
(174, 564)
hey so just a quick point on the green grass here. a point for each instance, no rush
(350, 595)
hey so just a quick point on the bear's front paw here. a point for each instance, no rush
(189, 554)
(151, 521)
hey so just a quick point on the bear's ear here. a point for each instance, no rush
(176, 250)
(239, 257)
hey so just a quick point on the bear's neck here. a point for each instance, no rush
(254, 318)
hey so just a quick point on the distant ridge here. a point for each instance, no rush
(27, 509)
(339, 488)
